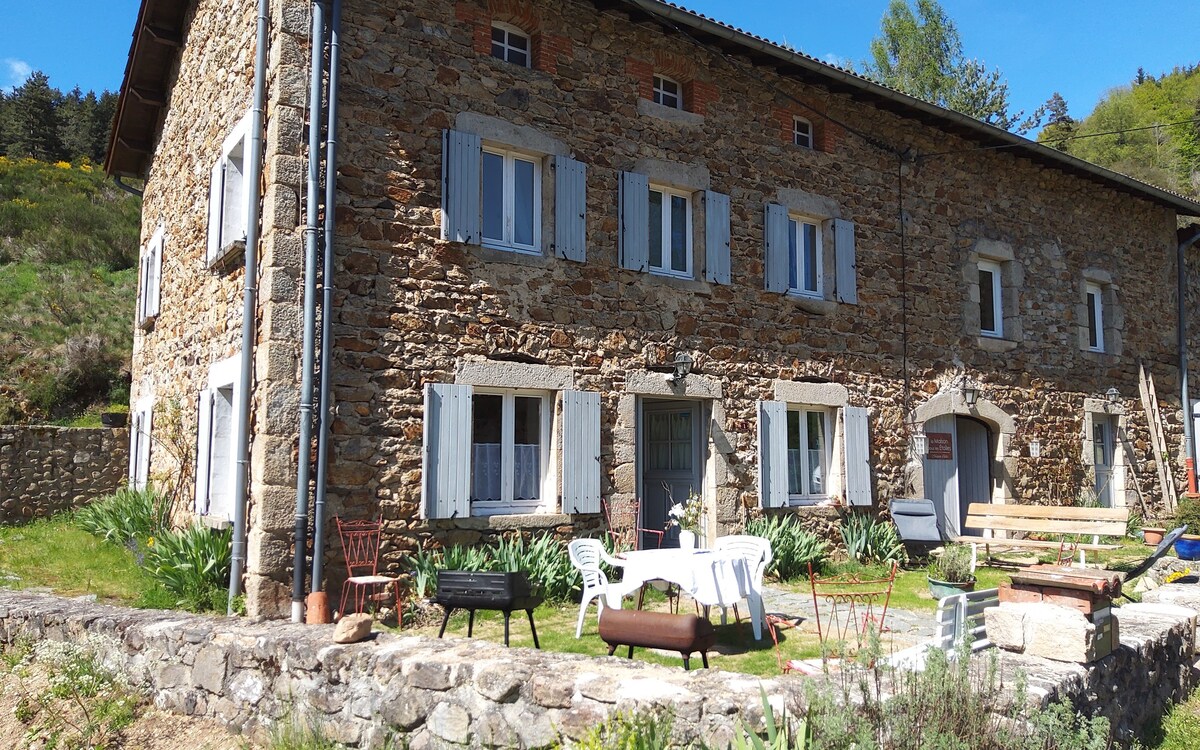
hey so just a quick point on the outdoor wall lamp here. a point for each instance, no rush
(920, 441)
(1035, 448)
(683, 367)
(970, 392)
(1112, 396)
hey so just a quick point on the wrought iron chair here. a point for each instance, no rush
(360, 546)
(622, 522)
(847, 606)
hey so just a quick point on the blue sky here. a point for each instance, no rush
(1078, 49)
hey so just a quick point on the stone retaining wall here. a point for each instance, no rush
(44, 470)
(459, 692)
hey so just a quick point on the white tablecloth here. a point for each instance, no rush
(711, 578)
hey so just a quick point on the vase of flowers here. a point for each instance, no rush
(689, 517)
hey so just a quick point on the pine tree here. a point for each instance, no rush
(1060, 125)
(31, 126)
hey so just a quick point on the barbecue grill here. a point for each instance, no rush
(470, 590)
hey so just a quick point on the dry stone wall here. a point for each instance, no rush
(45, 470)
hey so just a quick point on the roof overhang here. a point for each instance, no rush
(157, 39)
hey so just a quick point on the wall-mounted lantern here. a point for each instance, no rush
(970, 392)
(1112, 396)
(683, 367)
(1035, 448)
(920, 441)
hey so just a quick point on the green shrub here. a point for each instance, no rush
(424, 567)
(193, 564)
(127, 514)
(953, 565)
(630, 731)
(1188, 512)
(792, 547)
(459, 557)
(870, 540)
(544, 560)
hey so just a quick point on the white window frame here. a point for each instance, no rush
(509, 201)
(221, 375)
(804, 498)
(665, 268)
(506, 46)
(141, 426)
(507, 505)
(795, 222)
(232, 169)
(802, 132)
(150, 277)
(993, 268)
(662, 95)
(1094, 299)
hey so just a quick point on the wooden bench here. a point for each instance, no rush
(1042, 519)
(633, 627)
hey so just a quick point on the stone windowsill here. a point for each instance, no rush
(687, 285)
(812, 305)
(508, 522)
(230, 254)
(992, 344)
(215, 522)
(1104, 358)
(648, 108)
(495, 255)
(147, 323)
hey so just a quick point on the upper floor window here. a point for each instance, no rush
(512, 200)
(802, 132)
(229, 194)
(991, 316)
(808, 454)
(670, 232)
(150, 278)
(668, 92)
(510, 44)
(1095, 317)
(804, 257)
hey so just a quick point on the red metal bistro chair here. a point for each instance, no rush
(622, 521)
(849, 607)
(360, 545)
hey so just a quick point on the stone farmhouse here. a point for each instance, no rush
(588, 253)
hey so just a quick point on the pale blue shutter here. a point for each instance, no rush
(635, 221)
(216, 209)
(858, 456)
(570, 209)
(158, 244)
(462, 160)
(847, 267)
(581, 452)
(204, 411)
(775, 241)
(772, 454)
(135, 438)
(446, 454)
(716, 237)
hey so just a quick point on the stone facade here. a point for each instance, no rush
(47, 470)
(411, 308)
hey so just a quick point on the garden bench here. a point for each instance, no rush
(1063, 521)
(634, 627)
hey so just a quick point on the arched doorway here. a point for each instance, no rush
(957, 468)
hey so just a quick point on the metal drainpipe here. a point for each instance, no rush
(326, 415)
(310, 313)
(249, 310)
(1189, 440)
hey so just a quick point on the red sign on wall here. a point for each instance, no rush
(941, 446)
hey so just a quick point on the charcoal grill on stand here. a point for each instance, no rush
(504, 592)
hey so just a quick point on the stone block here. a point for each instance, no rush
(1042, 629)
(352, 628)
(451, 722)
(208, 672)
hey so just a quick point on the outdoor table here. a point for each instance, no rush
(711, 578)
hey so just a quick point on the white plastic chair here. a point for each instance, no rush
(586, 555)
(757, 553)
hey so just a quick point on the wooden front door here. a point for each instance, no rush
(671, 463)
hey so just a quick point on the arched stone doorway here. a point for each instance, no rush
(966, 460)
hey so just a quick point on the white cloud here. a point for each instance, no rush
(14, 72)
(838, 60)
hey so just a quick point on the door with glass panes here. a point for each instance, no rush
(671, 463)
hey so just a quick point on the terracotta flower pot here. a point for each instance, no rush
(1152, 535)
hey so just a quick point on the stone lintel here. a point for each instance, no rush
(487, 373)
(646, 383)
(816, 394)
(808, 204)
(675, 174)
(510, 134)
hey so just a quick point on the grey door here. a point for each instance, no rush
(974, 466)
(941, 473)
(1102, 457)
(670, 461)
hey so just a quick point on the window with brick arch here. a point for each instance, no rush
(802, 132)
(511, 44)
(668, 92)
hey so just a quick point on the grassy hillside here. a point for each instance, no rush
(68, 281)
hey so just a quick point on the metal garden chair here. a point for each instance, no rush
(360, 546)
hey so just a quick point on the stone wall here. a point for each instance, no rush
(44, 470)
(460, 692)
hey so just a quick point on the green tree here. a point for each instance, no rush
(31, 126)
(1059, 123)
(919, 52)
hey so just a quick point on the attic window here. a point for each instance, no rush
(668, 92)
(802, 132)
(510, 44)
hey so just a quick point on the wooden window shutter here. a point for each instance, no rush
(847, 266)
(216, 209)
(142, 477)
(135, 439)
(153, 293)
(462, 164)
(858, 456)
(716, 237)
(775, 241)
(570, 209)
(581, 452)
(204, 410)
(635, 218)
(772, 454)
(446, 451)
(143, 285)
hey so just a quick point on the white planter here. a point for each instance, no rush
(687, 539)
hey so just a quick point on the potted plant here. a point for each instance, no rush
(689, 517)
(1188, 512)
(1152, 535)
(950, 572)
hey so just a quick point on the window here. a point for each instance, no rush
(510, 44)
(802, 132)
(807, 454)
(229, 195)
(512, 201)
(149, 278)
(991, 316)
(670, 232)
(1095, 317)
(509, 452)
(140, 426)
(218, 427)
(804, 257)
(667, 92)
